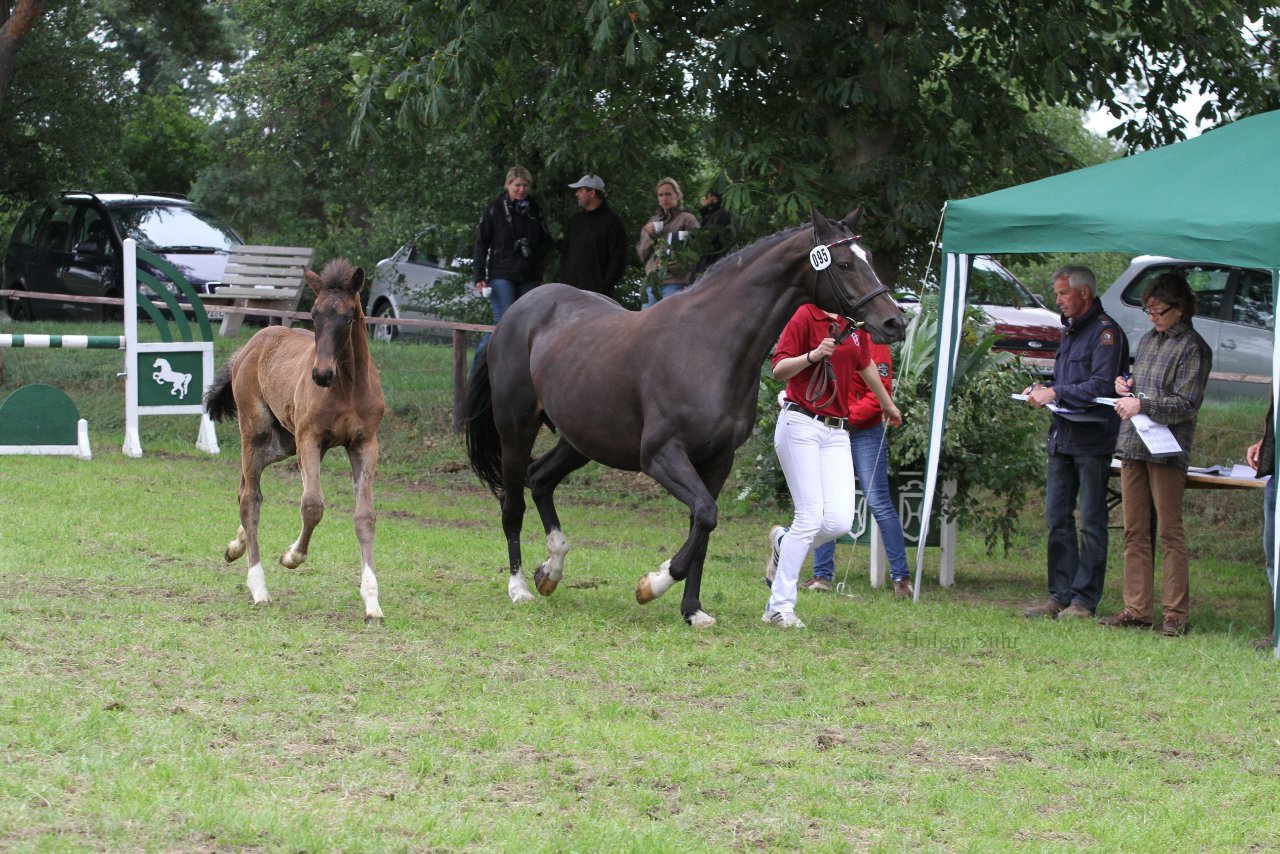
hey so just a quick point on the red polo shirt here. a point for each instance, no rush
(864, 408)
(805, 331)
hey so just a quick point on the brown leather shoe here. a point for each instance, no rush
(1125, 620)
(821, 585)
(1175, 627)
(902, 589)
(1075, 609)
(1050, 608)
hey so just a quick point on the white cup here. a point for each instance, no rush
(657, 227)
(486, 292)
(682, 235)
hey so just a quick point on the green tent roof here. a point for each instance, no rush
(1212, 198)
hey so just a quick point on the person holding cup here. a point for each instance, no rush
(660, 238)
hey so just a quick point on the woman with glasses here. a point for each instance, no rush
(817, 355)
(1167, 386)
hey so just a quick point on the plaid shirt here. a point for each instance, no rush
(1169, 375)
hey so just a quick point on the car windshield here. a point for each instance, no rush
(991, 284)
(173, 228)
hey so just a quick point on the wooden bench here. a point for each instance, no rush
(262, 276)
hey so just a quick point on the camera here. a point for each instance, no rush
(523, 247)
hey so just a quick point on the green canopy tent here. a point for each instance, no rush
(1215, 198)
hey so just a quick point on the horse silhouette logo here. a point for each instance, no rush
(166, 375)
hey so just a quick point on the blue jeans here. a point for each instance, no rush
(871, 465)
(670, 289)
(1077, 554)
(504, 293)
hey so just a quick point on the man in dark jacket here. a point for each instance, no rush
(715, 231)
(1093, 352)
(593, 250)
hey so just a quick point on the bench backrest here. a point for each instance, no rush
(267, 267)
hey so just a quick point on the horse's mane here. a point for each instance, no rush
(336, 273)
(761, 245)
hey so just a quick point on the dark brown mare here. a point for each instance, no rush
(304, 393)
(670, 391)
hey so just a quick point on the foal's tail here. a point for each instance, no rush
(484, 446)
(219, 402)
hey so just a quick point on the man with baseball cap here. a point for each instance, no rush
(593, 250)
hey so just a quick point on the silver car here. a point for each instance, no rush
(417, 283)
(1234, 314)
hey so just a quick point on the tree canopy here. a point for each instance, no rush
(106, 93)
(899, 104)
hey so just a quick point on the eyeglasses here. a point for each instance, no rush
(1153, 312)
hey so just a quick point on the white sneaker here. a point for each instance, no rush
(776, 533)
(783, 619)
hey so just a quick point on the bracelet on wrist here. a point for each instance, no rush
(807, 359)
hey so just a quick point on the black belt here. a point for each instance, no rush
(837, 423)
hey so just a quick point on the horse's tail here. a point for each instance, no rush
(484, 445)
(219, 402)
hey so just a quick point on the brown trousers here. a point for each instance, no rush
(1145, 484)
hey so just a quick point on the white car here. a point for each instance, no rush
(1235, 315)
(1026, 328)
(416, 283)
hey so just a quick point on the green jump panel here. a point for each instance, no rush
(38, 415)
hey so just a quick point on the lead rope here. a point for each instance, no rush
(841, 587)
(822, 380)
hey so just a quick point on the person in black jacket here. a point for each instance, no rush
(512, 241)
(593, 251)
(715, 231)
(1093, 352)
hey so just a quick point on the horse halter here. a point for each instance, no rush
(822, 382)
(847, 310)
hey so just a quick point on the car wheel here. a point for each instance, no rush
(19, 310)
(383, 331)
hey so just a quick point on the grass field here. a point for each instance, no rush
(146, 705)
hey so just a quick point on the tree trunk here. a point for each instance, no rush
(12, 34)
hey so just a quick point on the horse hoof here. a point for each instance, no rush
(370, 619)
(544, 582)
(700, 620)
(292, 559)
(519, 597)
(654, 584)
(261, 598)
(234, 550)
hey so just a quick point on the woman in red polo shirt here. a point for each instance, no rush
(811, 441)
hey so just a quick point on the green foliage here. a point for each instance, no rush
(991, 448)
(165, 145)
(64, 108)
(77, 113)
(899, 105)
(1036, 271)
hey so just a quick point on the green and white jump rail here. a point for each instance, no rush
(64, 342)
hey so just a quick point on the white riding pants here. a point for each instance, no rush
(819, 470)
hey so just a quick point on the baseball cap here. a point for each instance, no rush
(595, 182)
